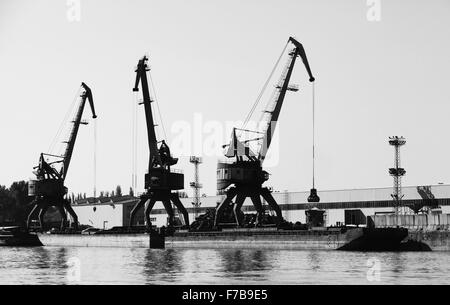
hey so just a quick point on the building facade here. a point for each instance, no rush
(341, 206)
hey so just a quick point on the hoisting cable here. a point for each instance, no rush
(134, 102)
(313, 197)
(64, 121)
(249, 115)
(95, 158)
(313, 134)
(136, 133)
(157, 106)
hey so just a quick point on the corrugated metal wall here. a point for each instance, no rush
(426, 222)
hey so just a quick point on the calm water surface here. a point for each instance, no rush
(51, 265)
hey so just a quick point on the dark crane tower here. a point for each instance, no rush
(397, 172)
(48, 189)
(245, 175)
(160, 179)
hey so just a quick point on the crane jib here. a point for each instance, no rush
(141, 77)
(87, 94)
(282, 89)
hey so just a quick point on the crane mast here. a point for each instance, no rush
(87, 94)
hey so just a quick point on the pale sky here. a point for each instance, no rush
(374, 79)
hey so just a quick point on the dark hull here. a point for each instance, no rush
(372, 239)
(19, 239)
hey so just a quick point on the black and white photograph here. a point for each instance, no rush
(224, 147)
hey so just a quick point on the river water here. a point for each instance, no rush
(54, 265)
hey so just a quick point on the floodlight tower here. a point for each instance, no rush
(397, 172)
(196, 185)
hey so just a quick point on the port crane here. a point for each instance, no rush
(48, 189)
(244, 177)
(160, 180)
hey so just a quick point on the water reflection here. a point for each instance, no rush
(161, 264)
(61, 258)
(245, 263)
(44, 258)
(398, 264)
(314, 260)
(39, 265)
(217, 266)
(40, 259)
(202, 266)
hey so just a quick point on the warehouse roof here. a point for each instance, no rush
(330, 197)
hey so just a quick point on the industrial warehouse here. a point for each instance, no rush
(342, 207)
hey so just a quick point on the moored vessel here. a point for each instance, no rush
(18, 237)
(351, 239)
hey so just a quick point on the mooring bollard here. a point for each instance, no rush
(157, 238)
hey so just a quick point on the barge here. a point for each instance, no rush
(383, 233)
(351, 239)
(18, 237)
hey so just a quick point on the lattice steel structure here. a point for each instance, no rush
(196, 185)
(397, 172)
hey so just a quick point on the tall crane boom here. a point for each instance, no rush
(87, 94)
(141, 77)
(282, 88)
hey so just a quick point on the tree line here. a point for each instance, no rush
(117, 192)
(14, 203)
